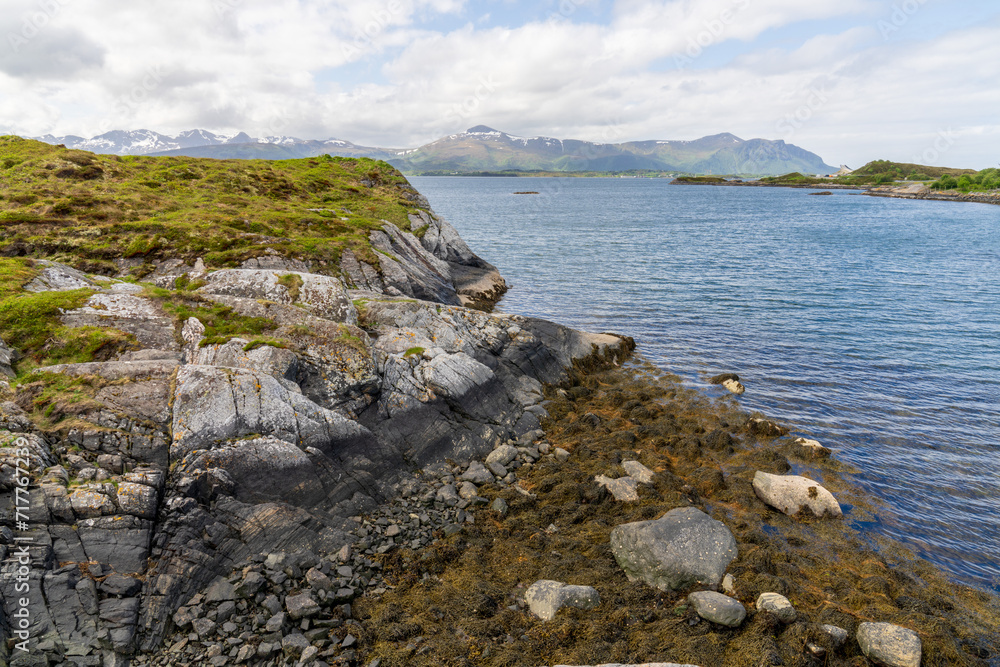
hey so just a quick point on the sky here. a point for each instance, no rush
(851, 80)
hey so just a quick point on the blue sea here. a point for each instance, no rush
(870, 324)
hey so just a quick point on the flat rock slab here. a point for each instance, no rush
(890, 644)
(545, 598)
(624, 489)
(718, 608)
(323, 296)
(792, 494)
(685, 547)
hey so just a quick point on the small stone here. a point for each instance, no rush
(349, 641)
(468, 491)
(729, 585)
(204, 627)
(718, 608)
(393, 531)
(499, 506)
(638, 472)
(319, 581)
(293, 645)
(477, 474)
(778, 605)
(503, 455)
(497, 469)
(545, 598)
(890, 644)
(624, 489)
(813, 448)
(561, 455)
(838, 635)
(308, 655)
(276, 622)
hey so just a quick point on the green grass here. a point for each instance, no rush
(222, 323)
(81, 208)
(414, 352)
(31, 323)
(292, 282)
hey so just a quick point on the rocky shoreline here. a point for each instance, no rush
(279, 466)
(923, 192)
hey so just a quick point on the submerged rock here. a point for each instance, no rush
(685, 547)
(731, 381)
(545, 598)
(889, 644)
(792, 494)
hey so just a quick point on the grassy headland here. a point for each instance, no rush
(88, 210)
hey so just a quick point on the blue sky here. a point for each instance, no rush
(852, 80)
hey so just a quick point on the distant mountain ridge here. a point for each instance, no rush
(480, 148)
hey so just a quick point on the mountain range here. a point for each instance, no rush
(481, 148)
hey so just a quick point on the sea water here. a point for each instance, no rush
(870, 324)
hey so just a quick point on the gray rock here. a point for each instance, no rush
(778, 605)
(7, 358)
(468, 491)
(561, 454)
(318, 580)
(220, 591)
(212, 405)
(792, 494)
(447, 494)
(137, 499)
(121, 586)
(545, 598)
(497, 469)
(320, 295)
(638, 472)
(274, 361)
(685, 547)
(499, 506)
(477, 474)
(276, 622)
(624, 489)
(729, 585)
(889, 644)
(204, 627)
(87, 504)
(718, 608)
(731, 381)
(454, 375)
(837, 635)
(119, 617)
(503, 455)
(119, 308)
(301, 606)
(813, 448)
(294, 644)
(59, 278)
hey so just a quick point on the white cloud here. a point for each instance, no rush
(384, 73)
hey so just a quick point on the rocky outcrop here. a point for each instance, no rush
(685, 547)
(198, 458)
(432, 264)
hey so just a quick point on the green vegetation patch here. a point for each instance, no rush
(980, 181)
(77, 207)
(31, 323)
(700, 179)
(293, 283)
(794, 178)
(222, 323)
(53, 398)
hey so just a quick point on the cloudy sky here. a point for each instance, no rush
(852, 80)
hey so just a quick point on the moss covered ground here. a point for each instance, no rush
(89, 210)
(455, 603)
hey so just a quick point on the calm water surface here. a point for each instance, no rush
(870, 324)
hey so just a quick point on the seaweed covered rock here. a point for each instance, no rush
(683, 548)
(545, 598)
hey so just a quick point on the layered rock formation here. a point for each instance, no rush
(192, 455)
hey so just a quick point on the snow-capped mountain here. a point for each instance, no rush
(147, 142)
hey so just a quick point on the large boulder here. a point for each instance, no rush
(793, 494)
(683, 548)
(889, 644)
(545, 598)
(122, 307)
